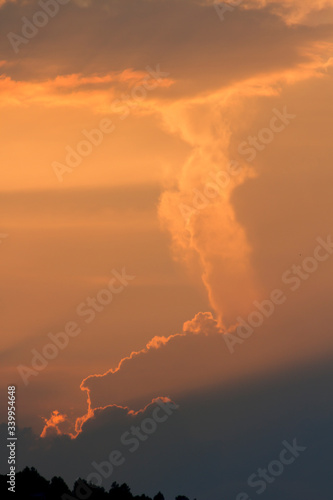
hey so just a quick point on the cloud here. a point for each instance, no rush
(169, 353)
(221, 239)
(76, 90)
(199, 359)
(202, 323)
(294, 11)
(202, 53)
(198, 210)
(52, 424)
(210, 445)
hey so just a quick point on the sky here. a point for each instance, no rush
(166, 241)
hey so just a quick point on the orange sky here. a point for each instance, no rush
(169, 114)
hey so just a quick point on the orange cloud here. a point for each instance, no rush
(76, 90)
(198, 210)
(52, 424)
(296, 11)
(292, 11)
(58, 423)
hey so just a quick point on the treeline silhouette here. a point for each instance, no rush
(30, 485)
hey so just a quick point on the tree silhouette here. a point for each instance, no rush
(118, 492)
(159, 496)
(58, 487)
(30, 485)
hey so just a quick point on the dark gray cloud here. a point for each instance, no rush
(186, 38)
(209, 447)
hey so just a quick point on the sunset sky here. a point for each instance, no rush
(166, 238)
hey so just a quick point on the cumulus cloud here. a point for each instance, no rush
(155, 369)
(198, 210)
(202, 323)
